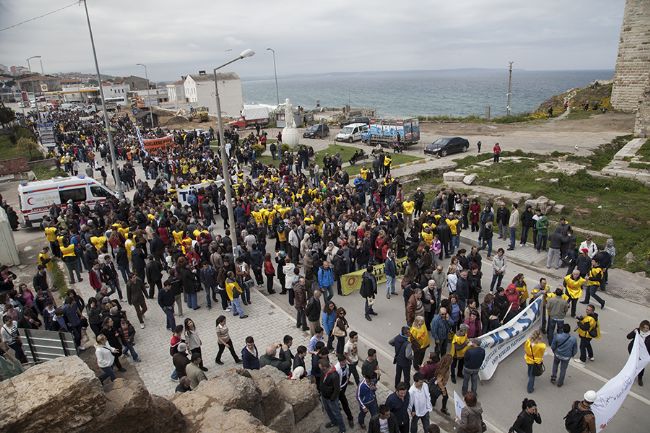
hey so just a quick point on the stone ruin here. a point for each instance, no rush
(65, 396)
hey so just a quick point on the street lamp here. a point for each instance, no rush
(275, 72)
(111, 146)
(222, 148)
(146, 74)
(38, 113)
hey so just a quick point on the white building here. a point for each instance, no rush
(199, 91)
(176, 92)
(117, 93)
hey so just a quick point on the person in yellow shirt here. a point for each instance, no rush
(51, 236)
(45, 260)
(234, 292)
(427, 236)
(387, 162)
(71, 260)
(98, 242)
(588, 329)
(459, 346)
(534, 349)
(419, 341)
(573, 289)
(408, 207)
(594, 278)
(452, 222)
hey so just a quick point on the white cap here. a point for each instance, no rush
(590, 396)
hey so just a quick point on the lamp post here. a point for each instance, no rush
(146, 74)
(38, 113)
(222, 148)
(508, 108)
(275, 72)
(111, 146)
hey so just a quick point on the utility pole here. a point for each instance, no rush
(508, 107)
(146, 74)
(275, 73)
(111, 146)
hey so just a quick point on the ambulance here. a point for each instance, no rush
(36, 198)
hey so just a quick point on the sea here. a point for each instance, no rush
(426, 93)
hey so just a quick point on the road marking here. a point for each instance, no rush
(604, 380)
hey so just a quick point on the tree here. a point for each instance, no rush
(7, 115)
(28, 145)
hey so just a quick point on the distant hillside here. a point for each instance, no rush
(599, 92)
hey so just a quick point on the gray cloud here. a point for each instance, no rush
(176, 38)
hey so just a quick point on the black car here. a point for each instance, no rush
(446, 145)
(317, 131)
(358, 119)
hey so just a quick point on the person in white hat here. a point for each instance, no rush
(580, 418)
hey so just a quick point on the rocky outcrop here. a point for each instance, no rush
(65, 396)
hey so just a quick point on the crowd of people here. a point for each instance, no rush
(307, 229)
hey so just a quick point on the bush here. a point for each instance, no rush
(258, 148)
(30, 147)
(285, 148)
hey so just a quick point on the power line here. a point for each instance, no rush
(40, 16)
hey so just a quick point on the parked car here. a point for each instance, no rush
(352, 132)
(447, 145)
(317, 131)
(357, 119)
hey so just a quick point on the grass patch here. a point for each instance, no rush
(8, 144)
(580, 114)
(604, 154)
(452, 119)
(58, 280)
(45, 173)
(640, 165)
(345, 152)
(644, 151)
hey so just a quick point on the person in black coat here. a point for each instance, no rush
(644, 332)
(153, 271)
(250, 355)
(374, 426)
(402, 363)
(444, 234)
(138, 260)
(526, 418)
(113, 338)
(527, 222)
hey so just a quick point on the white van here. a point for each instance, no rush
(352, 132)
(36, 198)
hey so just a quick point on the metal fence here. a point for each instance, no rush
(40, 346)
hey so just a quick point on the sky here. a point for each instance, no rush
(182, 37)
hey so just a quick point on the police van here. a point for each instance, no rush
(36, 198)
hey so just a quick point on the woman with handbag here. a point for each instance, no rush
(419, 341)
(340, 330)
(534, 349)
(438, 386)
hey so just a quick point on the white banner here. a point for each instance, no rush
(459, 404)
(501, 342)
(612, 395)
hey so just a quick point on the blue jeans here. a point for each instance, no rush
(192, 301)
(496, 281)
(209, 293)
(372, 409)
(125, 274)
(531, 378)
(333, 412)
(563, 366)
(169, 314)
(237, 309)
(390, 285)
(552, 325)
(470, 375)
(487, 242)
(513, 236)
(328, 292)
(128, 347)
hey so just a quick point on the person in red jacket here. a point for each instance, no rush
(496, 150)
(95, 277)
(269, 271)
(513, 299)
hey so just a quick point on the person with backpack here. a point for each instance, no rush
(403, 355)
(588, 329)
(368, 291)
(580, 418)
(528, 416)
(564, 347)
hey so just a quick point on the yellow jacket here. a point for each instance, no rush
(50, 234)
(68, 251)
(534, 353)
(588, 323)
(459, 340)
(43, 258)
(409, 207)
(421, 335)
(98, 242)
(232, 287)
(595, 276)
(574, 287)
(452, 226)
(427, 237)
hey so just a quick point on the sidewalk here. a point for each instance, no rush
(622, 284)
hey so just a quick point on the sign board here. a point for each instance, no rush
(352, 281)
(152, 144)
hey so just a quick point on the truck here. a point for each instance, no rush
(385, 131)
(251, 116)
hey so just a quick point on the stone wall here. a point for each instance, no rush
(633, 61)
(642, 123)
(13, 166)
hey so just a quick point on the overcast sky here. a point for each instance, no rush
(181, 37)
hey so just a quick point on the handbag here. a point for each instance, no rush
(538, 369)
(338, 332)
(371, 300)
